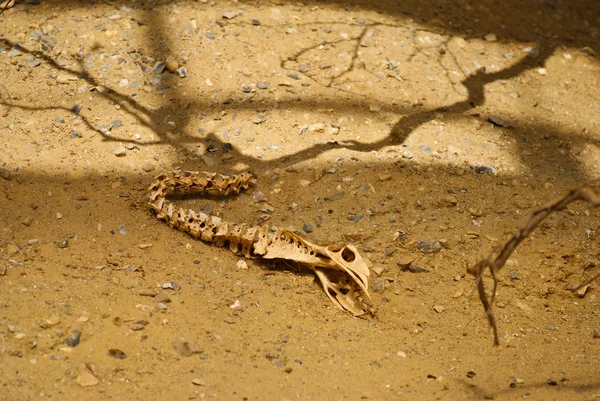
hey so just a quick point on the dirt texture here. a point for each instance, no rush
(422, 132)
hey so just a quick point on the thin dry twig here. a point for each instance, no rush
(6, 5)
(586, 282)
(493, 263)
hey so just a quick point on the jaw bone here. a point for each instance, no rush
(339, 269)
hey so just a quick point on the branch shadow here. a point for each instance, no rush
(160, 40)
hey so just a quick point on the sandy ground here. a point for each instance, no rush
(442, 122)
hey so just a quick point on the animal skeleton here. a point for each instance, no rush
(342, 271)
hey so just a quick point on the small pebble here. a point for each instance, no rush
(185, 348)
(429, 246)
(159, 67)
(390, 251)
(119, 151)
(317, 127)
(171, 65)
(34, 63)
(162, 298)
(404, 261)
(485, 170)
(11, 249)
(307, 228)
(5, 174)
(73, 339)
(355, 217)
(500, 122)
(451, 200)
(417, 269)
(148, 167)
(378, 270)
(171, 285)
(378, 286)
(476, 212)
(229, 15)
(259, 119)
(76, 108)
(334, 197)
(86, 379)
(15, 51)
(84, 317)
(116, 353)
(62, 79)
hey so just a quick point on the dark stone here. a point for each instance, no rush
(335, 197)
(429, 246)
(116, 353)
(76, 109)
(355, 217)
(73, 339)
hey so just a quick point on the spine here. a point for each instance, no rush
(239, 238)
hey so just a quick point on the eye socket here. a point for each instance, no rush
(348, 255)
